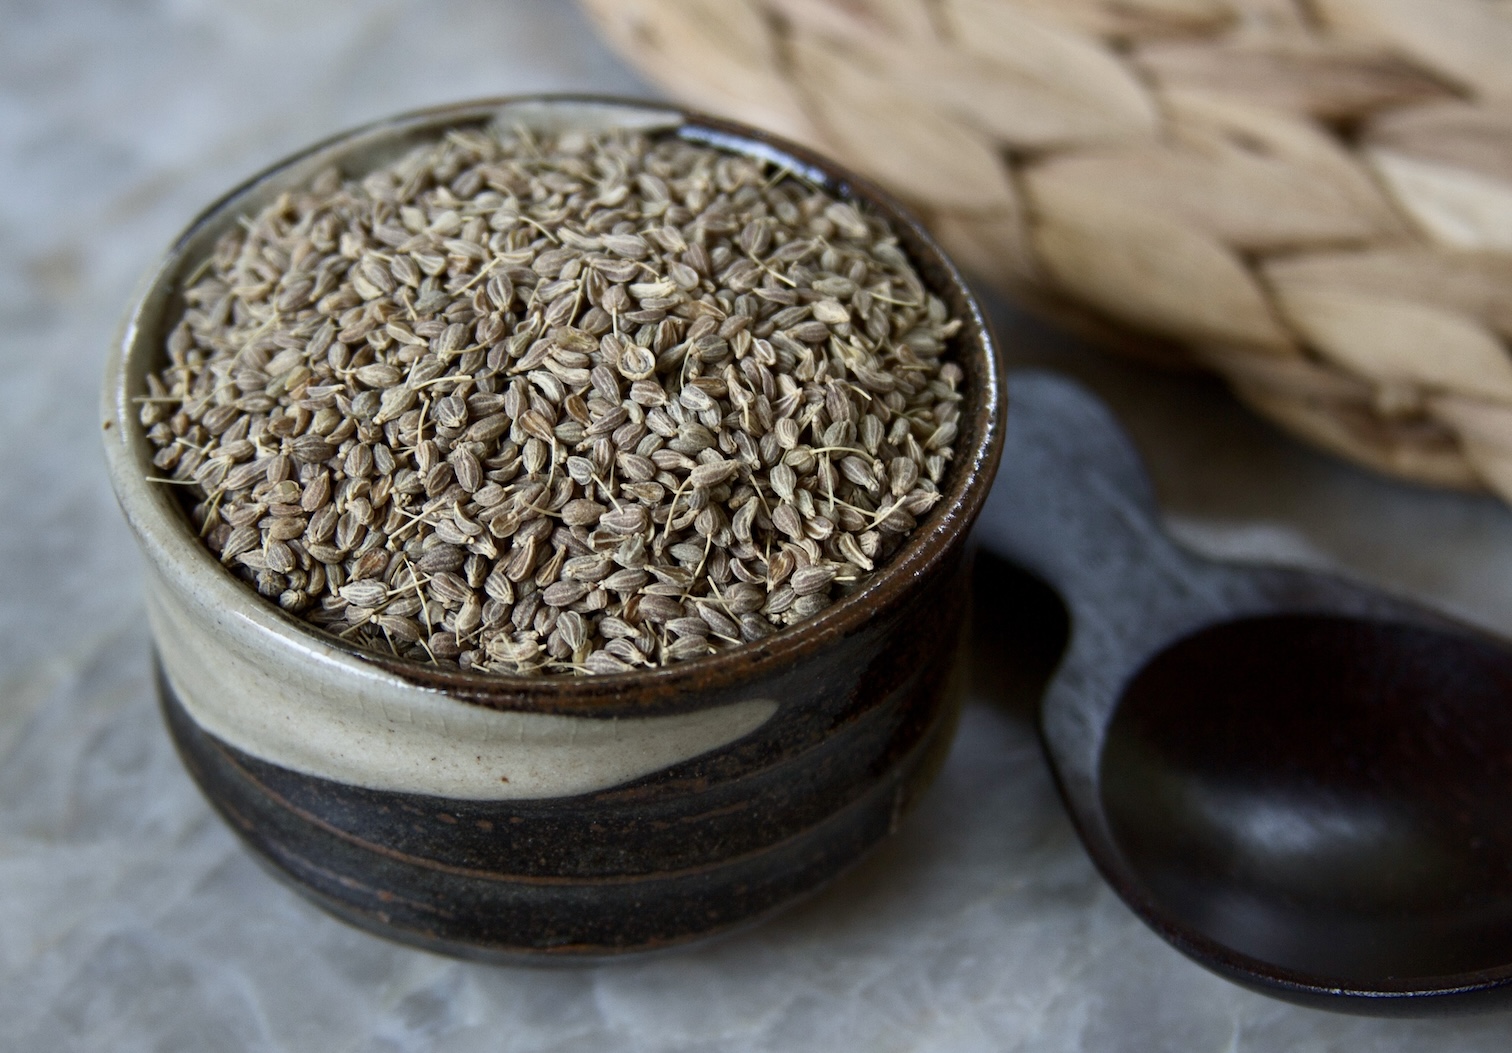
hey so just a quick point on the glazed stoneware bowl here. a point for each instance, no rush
(501, 818)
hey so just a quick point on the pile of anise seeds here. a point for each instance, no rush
(582, 405)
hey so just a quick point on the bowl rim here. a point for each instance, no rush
(162, 531)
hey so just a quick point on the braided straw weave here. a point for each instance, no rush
(1313, 197)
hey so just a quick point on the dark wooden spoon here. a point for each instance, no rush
(1303, 784)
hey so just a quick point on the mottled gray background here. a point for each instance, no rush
(129, 918)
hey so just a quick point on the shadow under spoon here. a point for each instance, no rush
(1302, 784)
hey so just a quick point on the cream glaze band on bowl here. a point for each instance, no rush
(355, 724)
(499, 816)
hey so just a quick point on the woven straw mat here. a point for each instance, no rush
(1313, 197)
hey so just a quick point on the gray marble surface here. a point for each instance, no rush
(129, 918)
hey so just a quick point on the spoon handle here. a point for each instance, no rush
(1073, 504)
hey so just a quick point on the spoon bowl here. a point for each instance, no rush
(1325, 794)
(1303, 784)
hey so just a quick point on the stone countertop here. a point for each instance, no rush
(130, 920)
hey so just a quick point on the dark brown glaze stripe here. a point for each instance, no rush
(236, 763)
(514, 921)
(823, 748)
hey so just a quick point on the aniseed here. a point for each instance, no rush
(557, 406)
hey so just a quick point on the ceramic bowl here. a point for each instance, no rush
(497, 817)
